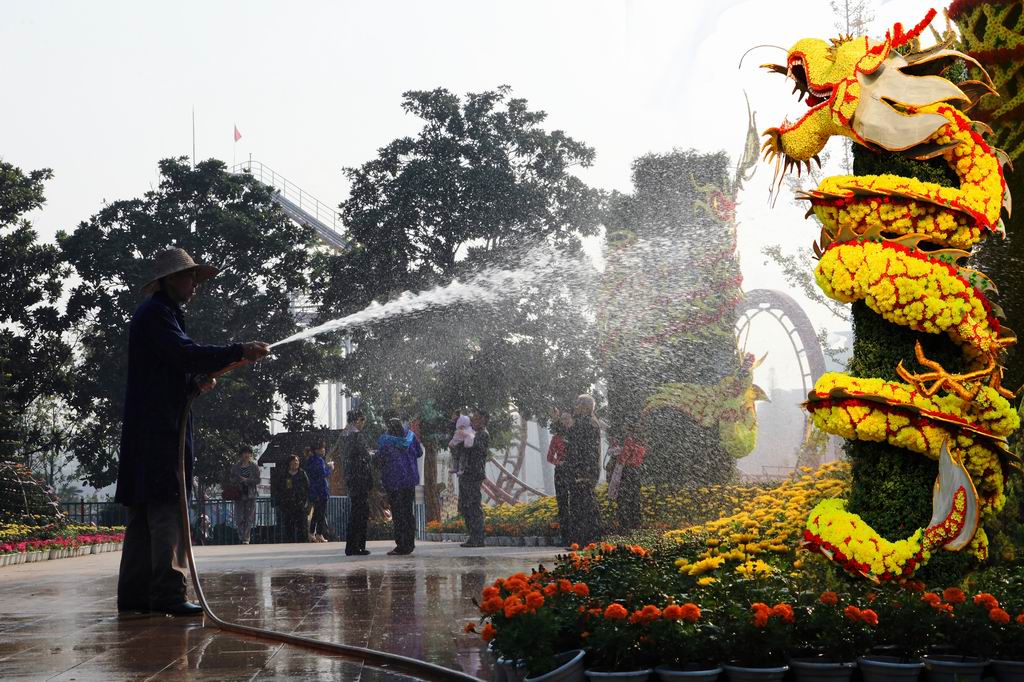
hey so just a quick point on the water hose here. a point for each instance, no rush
(402, 664)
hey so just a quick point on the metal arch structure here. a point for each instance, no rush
(781, 307)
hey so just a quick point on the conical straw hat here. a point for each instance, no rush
(171, 261)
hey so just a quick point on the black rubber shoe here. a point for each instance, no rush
(185, 608)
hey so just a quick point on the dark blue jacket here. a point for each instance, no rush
(316, 469)
(161, 362)
(397, 457)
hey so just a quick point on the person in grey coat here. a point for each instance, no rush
(245, 474)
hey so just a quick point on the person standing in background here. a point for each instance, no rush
(355, 460)
(319, 472)
(293, 501)
(397, 451)
(474, 462)
(245, 474)
(581, 431)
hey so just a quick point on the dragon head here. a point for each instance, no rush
(866, 90)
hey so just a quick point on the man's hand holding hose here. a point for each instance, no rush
(252, 351)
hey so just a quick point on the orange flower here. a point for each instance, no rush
(488, 632)
(470, 627)
(565, 585)
(997, 615)
(829, 598)
(869, 617)
(945, 608)
(931, 599)
(550, 590)
(574, 546)
(783, 611)
(493, 605)
(490, 592)
(615, 612)
(986, 601)
(954, 595)
(760, 619)
(516, 584)
(691, 613)
(514, 606)
(649, 614)
(852, 612)
(596, 611)
(1020, 618)
(534, 600)
(581, 590)
(673, 612)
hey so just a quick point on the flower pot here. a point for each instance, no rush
(626, 676)
(807, 670)
(669, 672)
(953, 668)
(1008, 671)
(507, 670)
(888, 669)
(739, 673)
(569, 668)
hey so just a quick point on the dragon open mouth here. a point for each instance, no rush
(805, 92)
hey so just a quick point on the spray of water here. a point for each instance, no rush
(489, 285)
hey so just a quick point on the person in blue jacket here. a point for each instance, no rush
(165, 366)
(397, 452)
(318, 469)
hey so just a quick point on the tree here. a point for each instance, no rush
(31, 325)
(478, 187)
(667, 313)
(265, 260)
(47, 428)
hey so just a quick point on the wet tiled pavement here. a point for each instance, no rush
(58, 619)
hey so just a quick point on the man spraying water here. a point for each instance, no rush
(164, 367)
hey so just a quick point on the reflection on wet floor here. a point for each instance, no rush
(60, 623)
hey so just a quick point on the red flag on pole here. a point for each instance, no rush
(238, 135)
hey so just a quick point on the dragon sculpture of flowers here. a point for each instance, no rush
(899, 245)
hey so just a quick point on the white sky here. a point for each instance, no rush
(99, 91)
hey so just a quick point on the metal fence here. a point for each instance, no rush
(219, 527)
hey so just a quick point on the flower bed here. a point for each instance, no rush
(25, 544)
(664, 508)
(630, 608)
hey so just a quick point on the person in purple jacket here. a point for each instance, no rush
(165, 366)
(397, 452)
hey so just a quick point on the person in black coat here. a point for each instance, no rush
(165, 366)
(582, 467)
(474, 461)
(356, 458)
(293, 501)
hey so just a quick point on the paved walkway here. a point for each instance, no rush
(58, 619)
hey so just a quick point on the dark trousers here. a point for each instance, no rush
(359, 514)
(401, 501)
(562, 498)
(628, 510)
(582, 513)
(318, 526)
(469, 508)
(296, 526)
(153, 561)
